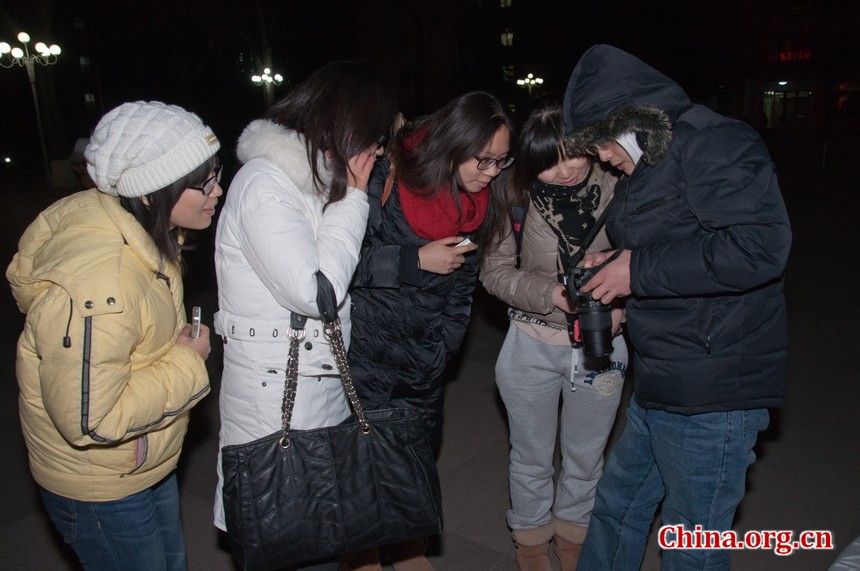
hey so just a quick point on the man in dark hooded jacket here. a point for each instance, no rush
(702, 238)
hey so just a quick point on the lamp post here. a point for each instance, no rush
(267, 80)
(10, 57)
(530, 82)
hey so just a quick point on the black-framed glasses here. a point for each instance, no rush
(485, 163)
(209, 185)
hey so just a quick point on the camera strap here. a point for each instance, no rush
(519, 221)
(573, 331)
(592, 234)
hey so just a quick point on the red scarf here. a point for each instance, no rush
(436, 217)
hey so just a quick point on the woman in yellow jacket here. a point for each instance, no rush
(107, 366)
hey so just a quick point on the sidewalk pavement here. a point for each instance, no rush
(805, 478)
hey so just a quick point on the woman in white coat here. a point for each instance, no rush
(297, 205)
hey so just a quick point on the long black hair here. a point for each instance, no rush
(154, 213)
(540, 147)
(341, 110)
(428, 151)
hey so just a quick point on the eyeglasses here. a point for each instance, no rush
(209, 185)
(485, 163)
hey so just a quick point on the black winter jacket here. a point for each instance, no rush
(406, 322)
(709, 237)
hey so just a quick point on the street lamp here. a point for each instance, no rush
(268, 80)
(10, 57)
(530, 82)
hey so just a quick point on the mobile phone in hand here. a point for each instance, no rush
(195, 322)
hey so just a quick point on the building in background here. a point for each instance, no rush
(790, 68)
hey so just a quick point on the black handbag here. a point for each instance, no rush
(303, 495)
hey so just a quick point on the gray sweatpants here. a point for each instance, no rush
(531, 376)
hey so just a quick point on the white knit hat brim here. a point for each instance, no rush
(141, 147)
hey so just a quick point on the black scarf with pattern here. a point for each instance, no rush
(569, 211)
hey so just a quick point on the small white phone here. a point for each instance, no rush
(195, 322)
(465, 242)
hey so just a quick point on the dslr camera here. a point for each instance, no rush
(595, 318)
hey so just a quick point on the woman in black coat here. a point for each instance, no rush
(412, 290)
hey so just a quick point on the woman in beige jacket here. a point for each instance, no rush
(539, 363)
(107, 366)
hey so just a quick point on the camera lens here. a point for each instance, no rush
(595, 322)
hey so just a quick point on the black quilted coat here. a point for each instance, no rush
(703, 216)
(406, 322)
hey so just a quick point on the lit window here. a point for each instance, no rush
(90, 101)
(507, 38)
(85, 64)
(507, 72)
(505, 3)
(787, 108)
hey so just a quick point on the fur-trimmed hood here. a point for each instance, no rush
(612, 92)
(265, 139)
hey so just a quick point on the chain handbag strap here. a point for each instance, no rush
(296, 333)
(333, 331)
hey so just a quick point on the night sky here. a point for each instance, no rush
(200, 54)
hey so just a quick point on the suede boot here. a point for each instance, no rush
(533, 548)
(408, 555)
(568, 543)
(567, 553)
(533, 557)
(366, 560)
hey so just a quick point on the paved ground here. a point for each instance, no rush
(806, 477)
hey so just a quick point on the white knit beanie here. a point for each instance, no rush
(138, 148)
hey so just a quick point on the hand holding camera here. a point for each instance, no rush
(595, 319)
(593, 297)
(614, 279)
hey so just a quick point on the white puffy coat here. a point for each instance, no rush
(272, 237)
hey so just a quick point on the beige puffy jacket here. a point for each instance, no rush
(105, 388)
(529, 288)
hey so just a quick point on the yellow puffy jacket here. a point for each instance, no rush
(105, 388)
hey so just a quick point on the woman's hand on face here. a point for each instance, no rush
(201, 344)
(358, 169)
(562, 300)
(443, 256)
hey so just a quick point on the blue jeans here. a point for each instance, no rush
(695, 464)
(140, 532)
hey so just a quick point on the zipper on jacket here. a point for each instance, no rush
(161, 276)
(655, 204)
(85, 381)
(141, 451)
(708, 346)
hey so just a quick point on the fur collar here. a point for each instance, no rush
(265, 139)
(652, 125)
(612, 92)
